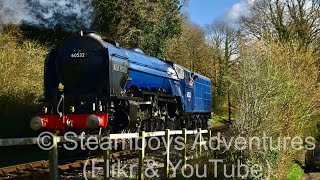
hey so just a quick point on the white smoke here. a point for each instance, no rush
(70, 15)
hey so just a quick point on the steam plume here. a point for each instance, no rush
(70, 15)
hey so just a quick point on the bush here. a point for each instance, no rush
(21, 82)
(275, 91)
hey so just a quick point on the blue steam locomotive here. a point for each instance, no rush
(91, 84)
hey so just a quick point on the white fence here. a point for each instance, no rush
(53, 152)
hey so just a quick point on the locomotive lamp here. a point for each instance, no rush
(100, 106)
(93, 107)
(72, 109)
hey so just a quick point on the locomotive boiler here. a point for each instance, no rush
(91, 84)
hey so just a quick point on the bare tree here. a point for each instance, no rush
(222, 37)
(284, 20)
(190, 50)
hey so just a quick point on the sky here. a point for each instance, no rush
(204, 12)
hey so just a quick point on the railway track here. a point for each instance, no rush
(40, 169)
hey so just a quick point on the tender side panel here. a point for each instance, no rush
(203, 97)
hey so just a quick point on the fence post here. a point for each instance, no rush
(200, 141)
(209, 136)
(141, 156)
(106, 158)
(167, 159)
(216, 141)
(53, 160)
(184, 151)
(208, 142)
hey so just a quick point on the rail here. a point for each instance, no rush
(53, 152)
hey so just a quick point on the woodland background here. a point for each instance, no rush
(264, 68)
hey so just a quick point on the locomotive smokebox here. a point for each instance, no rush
(81, 65)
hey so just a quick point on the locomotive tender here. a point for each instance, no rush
(91, 84)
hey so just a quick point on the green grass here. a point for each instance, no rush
(217, 120)
(295, 172)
